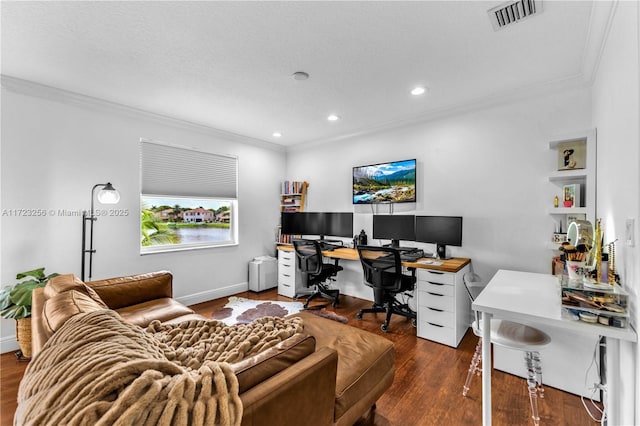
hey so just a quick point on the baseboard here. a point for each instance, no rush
(213, 294)
(10, 344)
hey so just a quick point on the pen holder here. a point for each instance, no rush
(575, 269)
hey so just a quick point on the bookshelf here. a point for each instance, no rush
(293, 197)
(583, 176)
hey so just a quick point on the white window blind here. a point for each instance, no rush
(170, 170)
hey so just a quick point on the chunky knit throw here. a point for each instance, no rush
(99, 370)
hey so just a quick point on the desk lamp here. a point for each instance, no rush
(107, 195)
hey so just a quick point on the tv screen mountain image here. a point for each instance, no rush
(391, 182)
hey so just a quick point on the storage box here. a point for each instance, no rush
(596, 302)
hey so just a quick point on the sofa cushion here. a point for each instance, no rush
(364, 359)
(257, 368)
(66, 282)
(163, 309)
(132, 289)
(59, 308)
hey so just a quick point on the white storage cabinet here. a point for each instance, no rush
(443, 306)
(289, 278)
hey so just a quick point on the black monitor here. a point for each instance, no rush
(317, 223)
(439, 230)
(394, 228)
(338, 224)
(302, 223)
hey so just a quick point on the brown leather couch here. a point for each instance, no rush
(330, 375)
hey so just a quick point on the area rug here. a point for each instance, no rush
(240, 310)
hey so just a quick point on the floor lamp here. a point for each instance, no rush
(107, 195)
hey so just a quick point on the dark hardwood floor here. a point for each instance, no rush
(427, 389)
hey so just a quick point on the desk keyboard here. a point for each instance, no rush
(411, 256)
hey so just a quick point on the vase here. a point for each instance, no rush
(23, 336)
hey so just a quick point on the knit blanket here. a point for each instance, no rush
(99, 370)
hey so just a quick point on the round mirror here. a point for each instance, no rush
(580, 235)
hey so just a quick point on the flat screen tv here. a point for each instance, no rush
(393, 182)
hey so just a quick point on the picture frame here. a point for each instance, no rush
(571, 195)
(559, 237)
(572, 155)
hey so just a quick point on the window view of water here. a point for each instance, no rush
(202, 235)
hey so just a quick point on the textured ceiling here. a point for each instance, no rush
(228, 65)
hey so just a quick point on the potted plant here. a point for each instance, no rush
(15, 303)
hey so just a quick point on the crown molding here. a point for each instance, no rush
(31, 88)
(600, 22)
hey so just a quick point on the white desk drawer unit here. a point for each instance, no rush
(443, 306)
(289, 279)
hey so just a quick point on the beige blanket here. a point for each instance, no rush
(100, 370)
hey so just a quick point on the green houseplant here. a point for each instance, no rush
(15, 303)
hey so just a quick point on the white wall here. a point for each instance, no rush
(54, 151)
(616, 112)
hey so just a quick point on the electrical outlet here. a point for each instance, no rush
(629, 232)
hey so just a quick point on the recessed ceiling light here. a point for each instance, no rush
(300, 75)
(277, 134)
(333, 117)
(418, 90)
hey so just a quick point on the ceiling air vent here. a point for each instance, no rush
(513, 11)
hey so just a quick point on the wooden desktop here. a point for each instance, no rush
(453, 264)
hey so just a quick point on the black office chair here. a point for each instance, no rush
(314, 271)
(382, 268)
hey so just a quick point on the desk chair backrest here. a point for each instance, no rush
(308, 255)
(382, 268)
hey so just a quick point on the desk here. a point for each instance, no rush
(441, 302)
(536, 298)
(346, 253)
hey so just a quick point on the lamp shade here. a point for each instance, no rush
(108, 195)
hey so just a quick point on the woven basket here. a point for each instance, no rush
(23, 336)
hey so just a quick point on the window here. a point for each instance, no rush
(188, 198)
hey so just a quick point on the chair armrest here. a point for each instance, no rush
(301, 394)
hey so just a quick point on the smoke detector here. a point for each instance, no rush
(513, 12)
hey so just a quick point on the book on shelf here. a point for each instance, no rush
(292, 187)
(291, 201)
(283, 238)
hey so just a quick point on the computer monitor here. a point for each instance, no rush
(338, 224)
(302, 223)
(394, 228)
(439, 230)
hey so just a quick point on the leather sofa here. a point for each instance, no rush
(331, 374)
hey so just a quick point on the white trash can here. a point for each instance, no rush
(263, 273)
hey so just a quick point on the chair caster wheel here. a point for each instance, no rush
(359, 315)
(414, 322)
(384, 327)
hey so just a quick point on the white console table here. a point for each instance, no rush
(536, 298)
